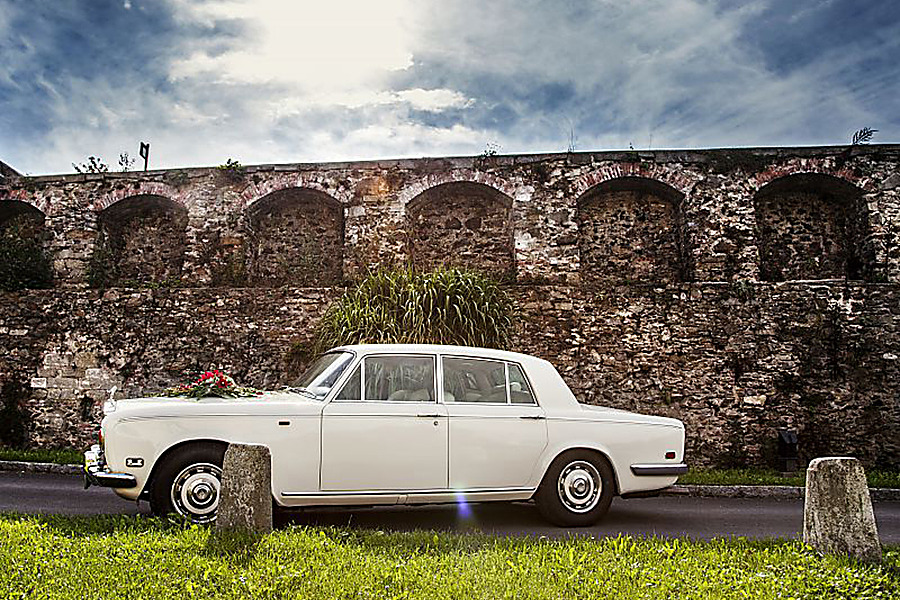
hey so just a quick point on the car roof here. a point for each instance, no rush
(439, 349)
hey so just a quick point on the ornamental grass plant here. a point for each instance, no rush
(445, 306)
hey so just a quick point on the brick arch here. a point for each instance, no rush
(257, 191)
(677, 180)
(462, 224)
(38, 202)
(140, 188)
(810, 167)
(812, 225)
(631, 229)
(296, 238)
(433, 180)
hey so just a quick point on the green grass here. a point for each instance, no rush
(124, 557)
(65, 456)
(886, 479)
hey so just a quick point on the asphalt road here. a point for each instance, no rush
(698, 518)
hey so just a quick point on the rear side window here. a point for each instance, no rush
(484, 380)
(519, 390)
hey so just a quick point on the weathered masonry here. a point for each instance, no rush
(742, 291)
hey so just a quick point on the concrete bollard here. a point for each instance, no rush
(837, 515)
(245, 500)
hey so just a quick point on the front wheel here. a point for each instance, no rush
(188, 483)
(577, 489)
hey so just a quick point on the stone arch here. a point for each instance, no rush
(811, 226)
(296, 238)
(462, 224)
(141, 239)
(23, 240)
(630, 229)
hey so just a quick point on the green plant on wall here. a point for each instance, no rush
(445, 306)
(23, 262)
(102, 268)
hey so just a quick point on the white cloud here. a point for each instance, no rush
(311, 44)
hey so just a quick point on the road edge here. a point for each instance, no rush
(780, 492)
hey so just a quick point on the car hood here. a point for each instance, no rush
(266, 402)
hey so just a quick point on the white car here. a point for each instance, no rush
(396, 424)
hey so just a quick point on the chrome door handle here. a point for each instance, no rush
(533, 417)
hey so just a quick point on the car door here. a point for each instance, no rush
(497, 429)
(385, 430)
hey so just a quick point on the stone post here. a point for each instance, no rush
(245, 500)
(837, 515)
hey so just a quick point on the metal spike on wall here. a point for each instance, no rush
(145, 153)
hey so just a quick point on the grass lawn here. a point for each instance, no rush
(126, 557)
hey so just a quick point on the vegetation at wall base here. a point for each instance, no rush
(126, 557)
(876, 478)
(445, 306)
(59, 456)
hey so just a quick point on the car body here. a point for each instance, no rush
(396, 424)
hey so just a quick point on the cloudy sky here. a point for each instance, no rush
(286, 81)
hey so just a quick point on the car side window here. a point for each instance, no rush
(474, 380)
(519, 390)
(353, 387)
(399, 378)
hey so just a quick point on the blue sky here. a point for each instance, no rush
(287, 81)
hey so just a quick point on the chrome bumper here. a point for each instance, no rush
(679, 469)
(97, 473)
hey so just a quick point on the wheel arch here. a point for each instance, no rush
(171, 451)
(600, 453)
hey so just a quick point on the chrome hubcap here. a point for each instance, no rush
(579, 486)
(195, 492)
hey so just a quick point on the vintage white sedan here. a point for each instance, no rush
(396, 424)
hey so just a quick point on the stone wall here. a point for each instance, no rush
(739, 290)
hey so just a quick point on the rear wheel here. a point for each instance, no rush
(577, 489)
(188, 483)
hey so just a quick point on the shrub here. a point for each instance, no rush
(446, 306)
(23, 263)
(14, 418)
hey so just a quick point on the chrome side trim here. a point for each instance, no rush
(679, 469)
(465, 492)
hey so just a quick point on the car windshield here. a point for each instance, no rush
(321, 376)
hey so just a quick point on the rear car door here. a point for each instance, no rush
(497, 429)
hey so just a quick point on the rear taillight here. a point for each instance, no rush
(100, 438)
(670, 454)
